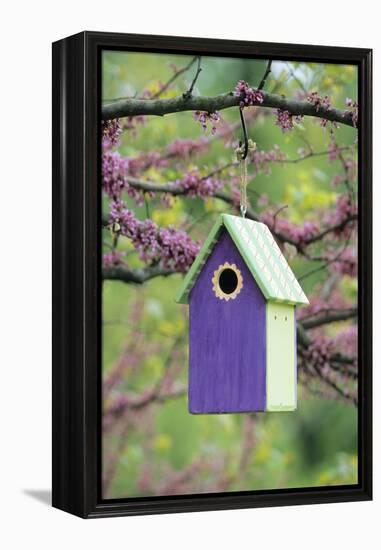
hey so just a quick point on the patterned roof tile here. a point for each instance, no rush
(261, 254)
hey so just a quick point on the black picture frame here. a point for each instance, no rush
(77, 282)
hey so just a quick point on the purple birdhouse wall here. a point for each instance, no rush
(227, 361)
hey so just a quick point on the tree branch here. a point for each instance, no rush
(174, 190)
(346, 396)
(154, 396)
(305, 341)
(338, 227)
(137, 276)
(333, 317)
(161, 107)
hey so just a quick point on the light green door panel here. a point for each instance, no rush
(280, 357)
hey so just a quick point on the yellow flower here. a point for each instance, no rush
(162, 442)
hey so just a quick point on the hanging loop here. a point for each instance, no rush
(241, 152)
(243, 193)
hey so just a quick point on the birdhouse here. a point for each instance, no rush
(242, 330)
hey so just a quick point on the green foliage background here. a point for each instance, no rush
(317, 444)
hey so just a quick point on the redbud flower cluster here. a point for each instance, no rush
(112, 258)
(188, 147)
(317, 306)
(297, 233)
(319, 353)
(115, 170)
(347, 340)
(346, 263)
(168, 247)
(196, 186)
(262, 159)
(205, 118)
(353, 105)
(286, 121)
(345, 208)
(319, 101)
(249, 96)
(111, 131)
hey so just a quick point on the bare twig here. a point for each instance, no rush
(309, 155)
(165, 86)
(173, 78)
(188, 93)
(264, 78)
(296, 78)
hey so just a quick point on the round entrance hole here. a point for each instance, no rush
(228, 281)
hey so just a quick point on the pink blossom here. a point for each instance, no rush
(297, 233)
(205, 118)
(316, 305)
(111, 131)
(168, 247)
(353, 105)
(144, 161)
(262, 159)
(346, 263)
(249, 96)
(347, 340)
(337, 180)
(130, 123)
(333, 150)
(195, 185)
(319, 101)
(188, 147)
(112, 258)
(345, 208)
(115, 171)
(318, 353)
(263, 200)
(285, 120)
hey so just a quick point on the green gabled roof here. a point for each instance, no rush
(261, 254)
